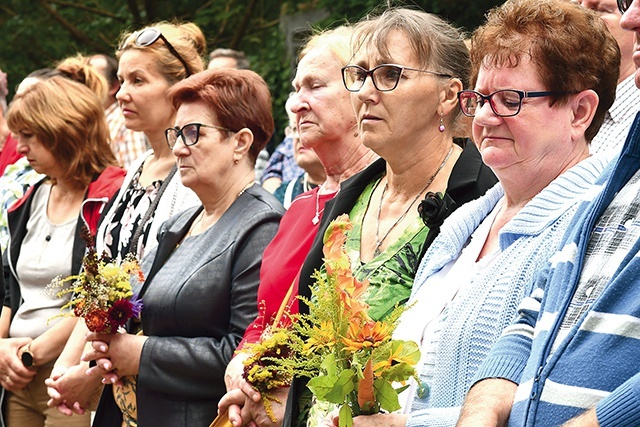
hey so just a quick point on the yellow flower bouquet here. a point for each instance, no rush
(351, 360)
(101, 293)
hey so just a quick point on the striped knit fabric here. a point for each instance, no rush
(482, 309)
(596, 362)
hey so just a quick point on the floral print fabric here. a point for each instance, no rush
(392, 272)
(127, 218)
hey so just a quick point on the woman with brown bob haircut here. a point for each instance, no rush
(201, 283)
(240, 100)
(150, 61)
(61, 131)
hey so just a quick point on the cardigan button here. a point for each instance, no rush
(423, 390)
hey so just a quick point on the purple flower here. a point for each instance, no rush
(136, 306)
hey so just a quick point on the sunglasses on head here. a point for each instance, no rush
(149, 36)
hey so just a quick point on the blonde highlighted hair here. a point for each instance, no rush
(337, 40)
(78, 68)
(186, 38)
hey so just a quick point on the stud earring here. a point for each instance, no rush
(441, 127)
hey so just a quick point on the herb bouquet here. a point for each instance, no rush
(351, 359)
(101, 293)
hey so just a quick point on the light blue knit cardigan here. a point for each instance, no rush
(479, 313)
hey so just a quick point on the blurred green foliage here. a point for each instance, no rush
(36, 34)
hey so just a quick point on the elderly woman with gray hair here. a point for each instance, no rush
(407, 69)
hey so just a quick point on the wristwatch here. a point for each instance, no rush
(27, 357)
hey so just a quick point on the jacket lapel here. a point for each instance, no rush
(168, 242)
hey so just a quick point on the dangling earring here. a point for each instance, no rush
(441, 127)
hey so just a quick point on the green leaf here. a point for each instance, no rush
(397, 359)
(400, 351)
(332, 388)
(346, 419)
(386, 395)
(329, 365)
(400, 372)
(401, 389)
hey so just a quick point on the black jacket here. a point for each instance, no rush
(197, 303)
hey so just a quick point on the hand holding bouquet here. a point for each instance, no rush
(351, 359)
(102, 293)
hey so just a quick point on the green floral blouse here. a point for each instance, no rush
(391, 273)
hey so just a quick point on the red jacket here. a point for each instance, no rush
(9, 154)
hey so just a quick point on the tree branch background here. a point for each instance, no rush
(37, 34)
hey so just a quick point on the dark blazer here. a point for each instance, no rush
(469, 179)
(198, 300)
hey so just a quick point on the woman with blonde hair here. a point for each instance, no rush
(327, 125)
(151, 61)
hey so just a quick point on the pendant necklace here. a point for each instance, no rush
(316, 218)
(379, 241)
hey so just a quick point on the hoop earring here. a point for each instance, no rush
(441, 127)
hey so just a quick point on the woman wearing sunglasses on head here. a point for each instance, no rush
(534, 114)
(201, 282)
(151, 61)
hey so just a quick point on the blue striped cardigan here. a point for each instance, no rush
(597, 364)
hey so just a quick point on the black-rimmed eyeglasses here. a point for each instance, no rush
(623, 5)
(504, 103)
(385, 77)
(190, 133)
(149, 36)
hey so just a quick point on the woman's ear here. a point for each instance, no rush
(449, 95)
(243, 139)
(583, 108)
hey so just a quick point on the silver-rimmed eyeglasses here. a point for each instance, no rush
(190, 133)
(149, 36)
(385, 77)
(504, 103)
